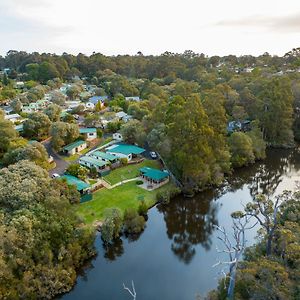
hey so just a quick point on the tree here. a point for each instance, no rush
(112, 224)
(91, 120)
(73, 91)
(258, 143)
(53, 112)
(266, 213)
(133, 222)
(276, 112)
(77, 170)
(133, 132)
(62, 134)
(7, 134)
(34, 151)
(236, 248)
(16, 105)
(241, 149)
(36, 126)
(58, 98)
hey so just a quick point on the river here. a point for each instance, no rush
(173, 258)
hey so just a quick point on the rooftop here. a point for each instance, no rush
(72, 180)
(93, 161)
(74, 145)
(104, 155)
(154, 174)
(87, 130)
(125, 149)
(96, 99)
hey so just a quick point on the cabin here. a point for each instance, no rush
(107, 157)
(75, 147)
(154, 177)
(89, 133)
(125, 151)
(91, 162)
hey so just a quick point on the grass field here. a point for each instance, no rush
(129, 171)
(124, 196)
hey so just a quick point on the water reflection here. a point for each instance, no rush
(189, 222)
(114, 250)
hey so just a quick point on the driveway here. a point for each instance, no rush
(61, 164)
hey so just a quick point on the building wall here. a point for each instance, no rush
(91, 136)
(80, 148)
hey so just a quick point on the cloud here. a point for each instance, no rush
(289, 23)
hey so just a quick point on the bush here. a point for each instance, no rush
(139, 182)
(124, 161)
(133, 222)
(112, 224)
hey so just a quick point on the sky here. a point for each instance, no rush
(112, 27)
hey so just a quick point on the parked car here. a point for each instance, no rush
(55, 175)
(153, 154)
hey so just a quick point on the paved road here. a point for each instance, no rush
(61, 165)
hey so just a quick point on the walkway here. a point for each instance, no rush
(109, 186)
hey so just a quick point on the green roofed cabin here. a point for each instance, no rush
(104, 156)
(91, 162)
(75, 147)
(81, 186)
(154, 176)
(89, 133)
(125, 151)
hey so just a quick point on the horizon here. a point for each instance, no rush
(125, 28)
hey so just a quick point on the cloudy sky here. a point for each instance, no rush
(152, 26)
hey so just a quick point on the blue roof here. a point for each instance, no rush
(72, 180)
(87, 130)
(96, 99)
(126, 149)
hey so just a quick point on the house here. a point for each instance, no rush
(75, 147)
(154, 176)
(19, 85)
(133, 98)
(125, 151)
(90, 105)
(13, 117)
(73, 104)
(117, 136)
(32, 107)
(89, 133)
(122, 116)
(107, 157)
(81, 186)
(96, 99)
(91, 162)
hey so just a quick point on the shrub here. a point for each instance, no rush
(139, 182)
(124, 161)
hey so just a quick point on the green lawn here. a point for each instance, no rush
(124, 196)
(129, 171)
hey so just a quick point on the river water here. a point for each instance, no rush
(173, 258)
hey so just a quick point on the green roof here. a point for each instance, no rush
(93, 161)
(104, 155)
(72, 180)
(74, 145)
(126, 149)
(154, 174)
(87, 130)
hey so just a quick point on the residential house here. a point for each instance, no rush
(122, 116)
(133, 98)
(19, 128)
(13, 117)
(89, 133)
(125, 151)
(91, 162)
(30, 108)
(75, 147)
(95, 99)
(19, 85)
